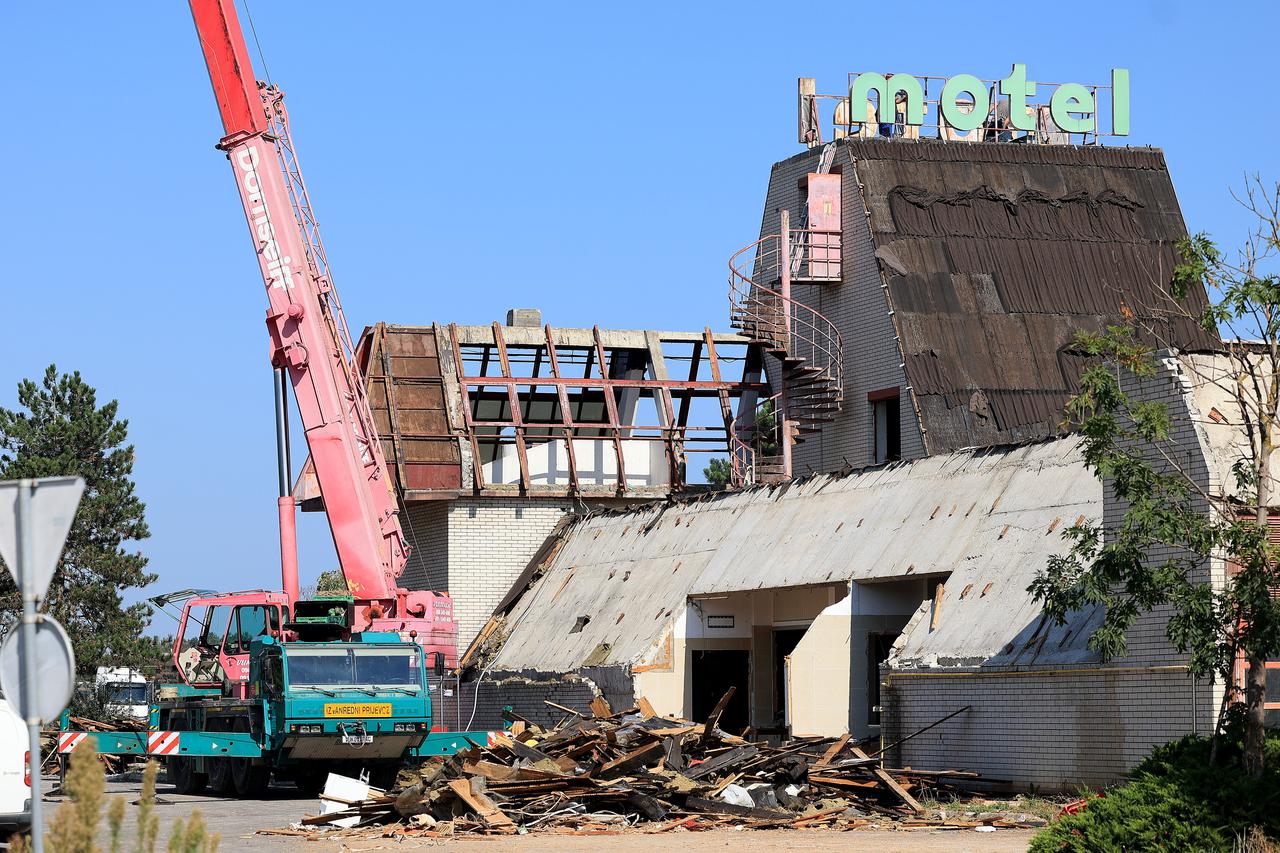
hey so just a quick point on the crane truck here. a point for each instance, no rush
(269, 684)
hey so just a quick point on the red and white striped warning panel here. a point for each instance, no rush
(162, 743)
(67, 741)
(493, 738)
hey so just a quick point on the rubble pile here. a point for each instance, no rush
(611, 771)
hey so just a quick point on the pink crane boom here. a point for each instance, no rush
(311, 342)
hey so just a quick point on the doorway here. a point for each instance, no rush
(878, 648)
(785, 641)
(713, 672)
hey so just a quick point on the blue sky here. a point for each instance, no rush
(600, 162)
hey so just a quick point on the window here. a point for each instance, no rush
(886, 426)
(215, 626)
(346, 666)
(251, 622)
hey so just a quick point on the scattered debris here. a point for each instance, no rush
(113, 764)
(610, 771)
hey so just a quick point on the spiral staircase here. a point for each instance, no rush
(805, 344)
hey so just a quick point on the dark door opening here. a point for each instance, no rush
(878, 646)
(713, 673)
(784, 643)
(886, 426)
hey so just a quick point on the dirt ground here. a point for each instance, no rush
(745, 841)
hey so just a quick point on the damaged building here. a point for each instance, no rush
(918, 304)
(495, 434)
(935, 290)
(875, 602)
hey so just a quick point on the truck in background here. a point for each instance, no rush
(122, 692)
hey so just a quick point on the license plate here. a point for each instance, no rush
(357, 709)
(357, 739)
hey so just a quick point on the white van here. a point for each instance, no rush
(15, 779)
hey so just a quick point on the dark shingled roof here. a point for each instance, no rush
(997, 255)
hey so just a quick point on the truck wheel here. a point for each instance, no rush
(220, 781)
(185, 779)
(251, 780)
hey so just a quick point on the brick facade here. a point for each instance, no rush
(474, 548)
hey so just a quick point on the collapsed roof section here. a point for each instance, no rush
(539, 411)
(995, 257)
(612, 587)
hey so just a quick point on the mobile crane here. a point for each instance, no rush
(271, 684)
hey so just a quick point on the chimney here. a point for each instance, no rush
(524, 317)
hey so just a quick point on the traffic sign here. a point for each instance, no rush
(49, 689)
(53, 508)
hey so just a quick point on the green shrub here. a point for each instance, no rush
(1175, 800)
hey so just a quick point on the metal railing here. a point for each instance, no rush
(809, 342)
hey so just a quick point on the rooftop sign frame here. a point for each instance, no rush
(965, 108)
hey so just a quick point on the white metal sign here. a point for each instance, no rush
(48, 690)
(53, 507)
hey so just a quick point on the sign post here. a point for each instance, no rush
(35, 517)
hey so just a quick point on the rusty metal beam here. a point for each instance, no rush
(563, 396)
(477, 463)
(573, 382)
(514, 398)
(611, 406)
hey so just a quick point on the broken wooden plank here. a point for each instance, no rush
(600, 707)
(727, 759)
(841, 782)
(890, 783)
(563, 708)
(674, 758)
(522, 750)
(713, 719)
(485, 809)
(833, 751)
(646, 709)
(645, 755)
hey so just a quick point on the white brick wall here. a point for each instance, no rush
(474, 548)
(426, 527)
(1056, 730)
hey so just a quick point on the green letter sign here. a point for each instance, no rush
(1072, 106)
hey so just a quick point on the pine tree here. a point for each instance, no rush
(59, 430)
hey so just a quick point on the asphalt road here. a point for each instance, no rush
(236, 821)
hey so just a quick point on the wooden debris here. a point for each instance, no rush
(603, 773)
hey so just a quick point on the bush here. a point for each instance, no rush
(1175, 800)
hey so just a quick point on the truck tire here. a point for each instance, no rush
(220, 781)
(185, 779)
(251, 780)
